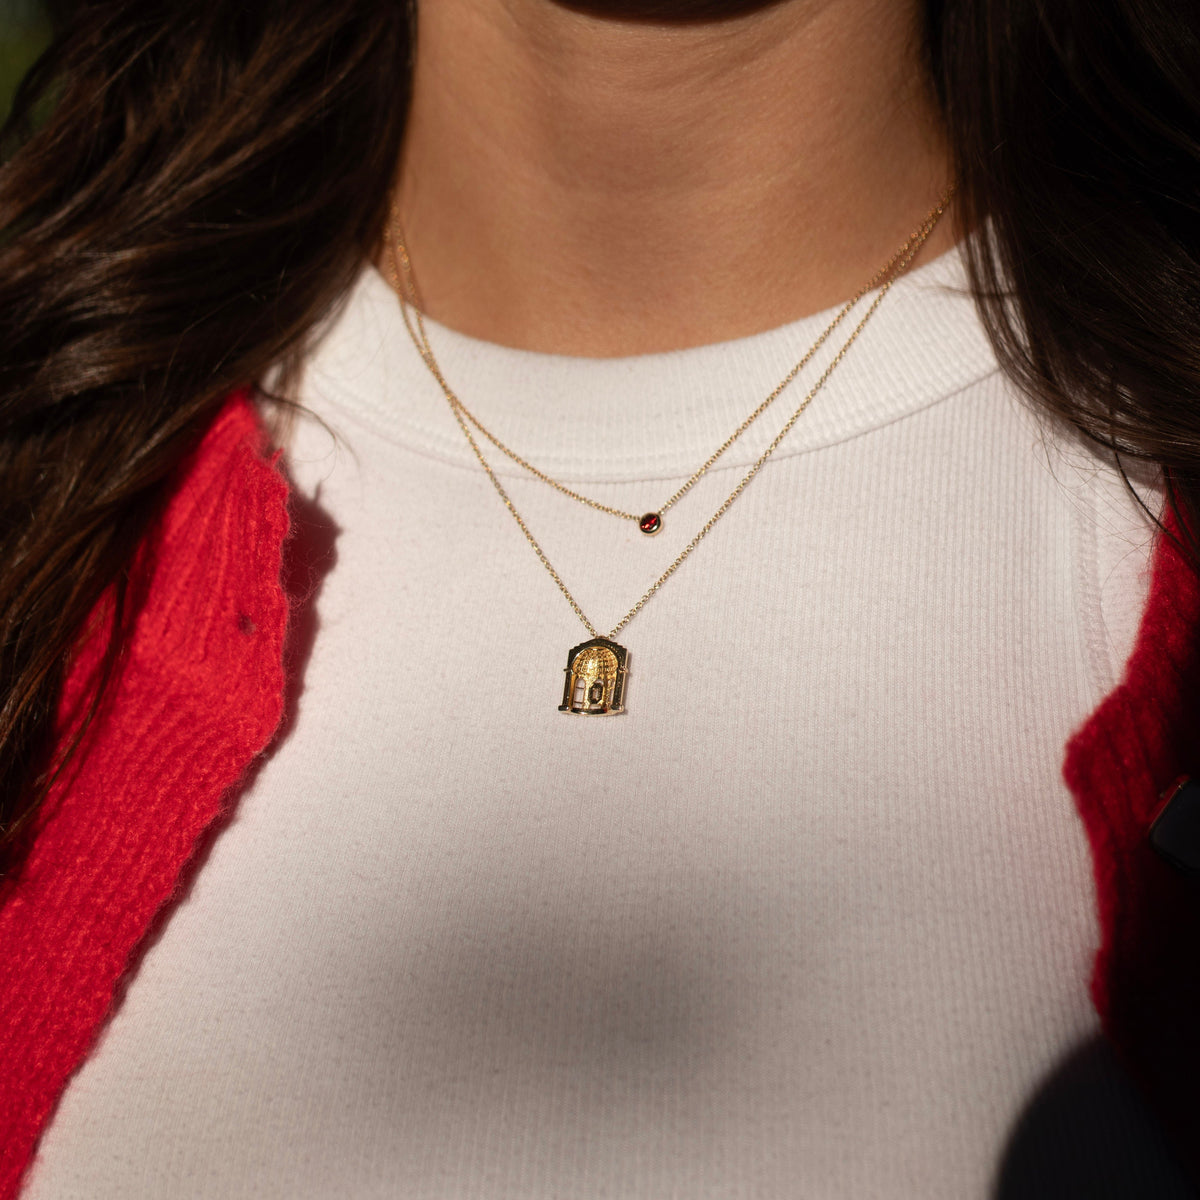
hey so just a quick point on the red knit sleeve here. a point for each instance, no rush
(199, 694)
(1146, 733)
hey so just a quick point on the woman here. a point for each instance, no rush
(361, 912)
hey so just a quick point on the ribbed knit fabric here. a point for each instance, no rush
(1142, 738)
(199, 696)
(655, 888)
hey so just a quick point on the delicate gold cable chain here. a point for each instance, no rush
(914, 243)
(404, 281)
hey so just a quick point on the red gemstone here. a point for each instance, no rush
(650, 523)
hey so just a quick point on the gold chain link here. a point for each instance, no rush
(404, 282)
(900, 261)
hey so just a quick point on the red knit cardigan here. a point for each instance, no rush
(200, 695)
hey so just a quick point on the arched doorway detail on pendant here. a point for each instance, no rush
(595, 679)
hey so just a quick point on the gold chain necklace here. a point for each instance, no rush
(597, 670)
(650, 522)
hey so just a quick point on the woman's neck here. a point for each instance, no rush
(580, 185)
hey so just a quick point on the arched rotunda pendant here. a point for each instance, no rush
(595, 684)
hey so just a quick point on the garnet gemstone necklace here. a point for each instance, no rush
(650, 522)
(597, 669)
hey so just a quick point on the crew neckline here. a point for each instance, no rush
(650, 416)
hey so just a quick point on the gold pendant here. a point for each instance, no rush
(595, 684)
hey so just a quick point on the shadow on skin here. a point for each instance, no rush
(1089, 1135)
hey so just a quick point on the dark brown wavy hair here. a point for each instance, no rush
(189, 187)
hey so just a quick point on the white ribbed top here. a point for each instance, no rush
(812, 919)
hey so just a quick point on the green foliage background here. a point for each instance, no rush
(24, 33)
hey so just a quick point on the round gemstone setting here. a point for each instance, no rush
(650, 523)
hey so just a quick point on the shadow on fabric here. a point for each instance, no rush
(1089, 1135)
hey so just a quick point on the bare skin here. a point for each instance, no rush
(576, 184)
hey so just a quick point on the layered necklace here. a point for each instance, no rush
(597, 670)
